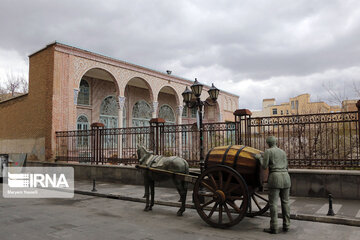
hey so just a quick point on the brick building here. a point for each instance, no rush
(70, 88)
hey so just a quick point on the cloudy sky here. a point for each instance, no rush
(254, 48)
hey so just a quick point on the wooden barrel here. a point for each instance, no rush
(242, 159)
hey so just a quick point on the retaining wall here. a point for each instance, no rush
(319, 183)
(306, 183)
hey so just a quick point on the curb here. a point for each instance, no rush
(300, 217)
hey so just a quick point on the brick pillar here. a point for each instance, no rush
(242, 126)
(96, 149)
(156, 138)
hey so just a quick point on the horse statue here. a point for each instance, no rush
(173, 164)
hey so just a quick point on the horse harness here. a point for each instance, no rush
(153, 160)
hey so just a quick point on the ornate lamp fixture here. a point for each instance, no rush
(192, 100)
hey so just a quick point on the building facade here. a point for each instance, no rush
(296, 106)
(70, 88)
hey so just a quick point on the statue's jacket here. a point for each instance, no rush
(275, 159)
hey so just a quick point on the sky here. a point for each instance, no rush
(255, 49)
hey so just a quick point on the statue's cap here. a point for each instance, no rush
(271, 140)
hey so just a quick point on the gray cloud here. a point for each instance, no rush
(238, 45)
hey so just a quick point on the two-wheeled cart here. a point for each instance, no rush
(230, 186)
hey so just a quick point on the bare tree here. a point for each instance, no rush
(13, 83)
(2, 90)
(2, 93)
(336, 95)
(24, 84)
(16, 83)
(356, 89)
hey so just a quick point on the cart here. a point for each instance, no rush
(230, 186)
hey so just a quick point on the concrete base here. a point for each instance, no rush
(344, 184)
(305, 183)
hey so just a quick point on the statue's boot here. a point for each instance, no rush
(271, 230)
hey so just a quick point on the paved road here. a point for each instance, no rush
(299, 205)
(88, 217)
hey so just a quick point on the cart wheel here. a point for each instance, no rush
(259, 204)
(226, 196)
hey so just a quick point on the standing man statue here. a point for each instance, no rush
(279, 183)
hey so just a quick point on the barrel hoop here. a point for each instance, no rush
(207, 158)
(225, 154)
(237, 155)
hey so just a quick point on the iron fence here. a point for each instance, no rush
(75, 146)
(184, 140)
(311, 141)
(329, 140)
(101, 146)
(119, 145)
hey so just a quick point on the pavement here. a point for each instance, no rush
(347, 212)
(92, 218)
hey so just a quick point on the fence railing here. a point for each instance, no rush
(184, 140)
(119, 145)
(101, 146)
(328, 140)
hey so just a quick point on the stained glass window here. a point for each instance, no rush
(109, 107)
(109, 112)
(141, 114)
(109, 117)
(84, 94)
(167, 113)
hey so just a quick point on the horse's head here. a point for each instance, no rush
(143, 154)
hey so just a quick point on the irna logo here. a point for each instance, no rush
(33, 180)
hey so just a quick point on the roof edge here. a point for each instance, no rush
(124, 62)
(14, 98)
(42, 49)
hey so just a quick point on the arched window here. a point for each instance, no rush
(82, 124)
(210, 112)
(84, 94)
(167, 113)
(109, 112)
(141, 114)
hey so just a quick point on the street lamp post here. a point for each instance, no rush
(189, 95)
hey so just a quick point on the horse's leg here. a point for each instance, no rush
(146, 184)
(152, 188)
(144, 188)
(184, 188)
(182, 192)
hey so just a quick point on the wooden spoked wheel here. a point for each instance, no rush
(259, 204)
(225, 195)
